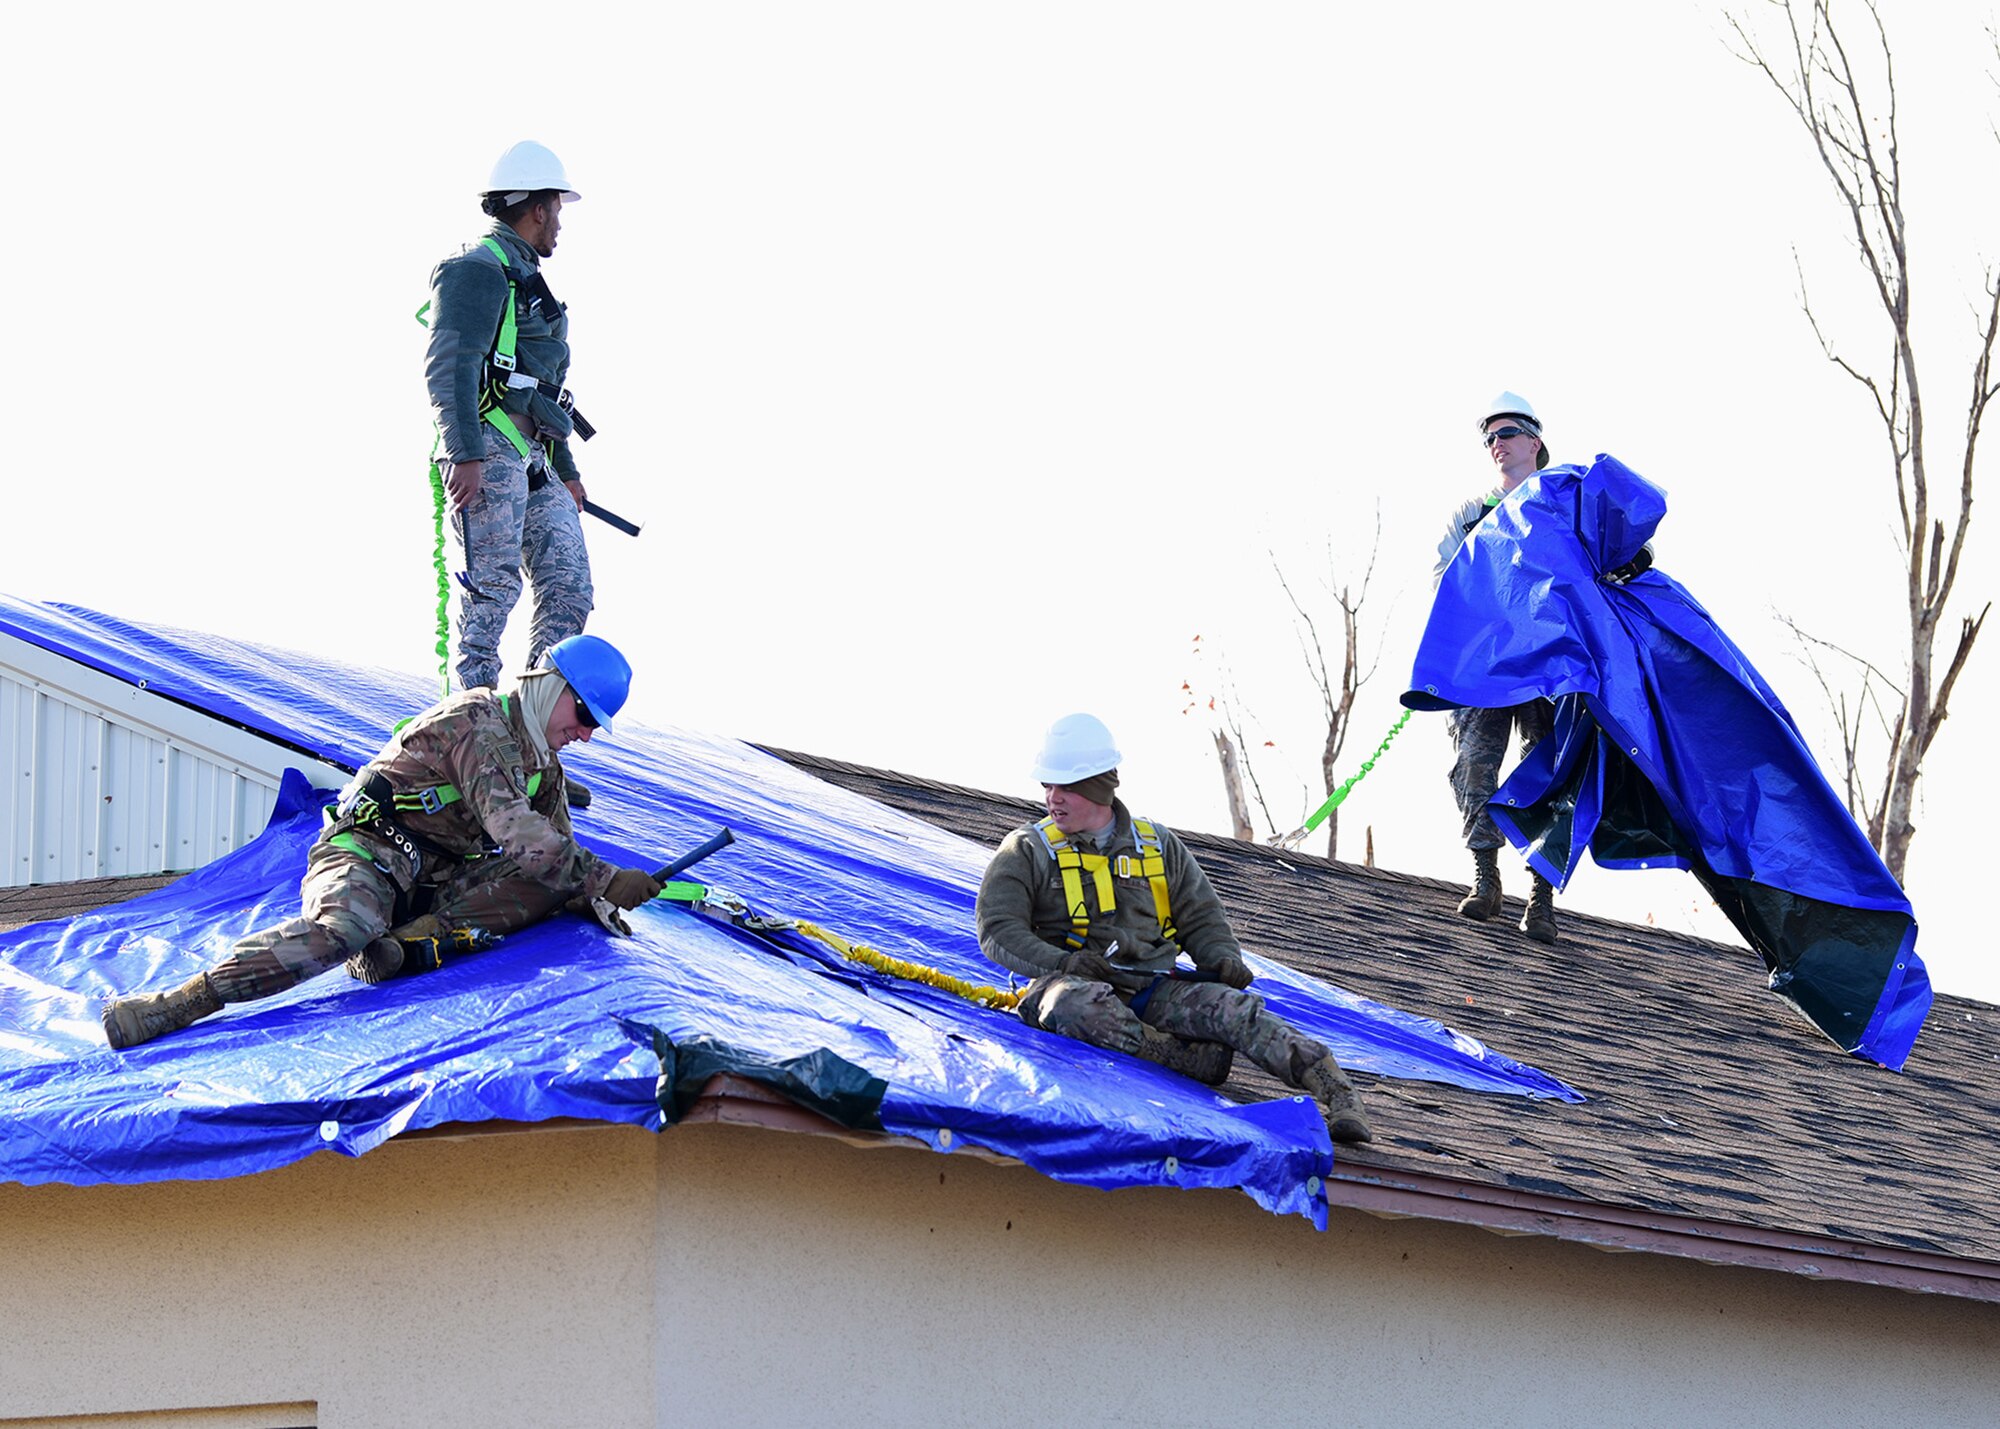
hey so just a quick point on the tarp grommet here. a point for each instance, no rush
(1312, 1185)
(1172, 1165)
(944, 1138)
(328, 1130)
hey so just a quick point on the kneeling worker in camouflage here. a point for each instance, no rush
(457, 832)
(1094, 905)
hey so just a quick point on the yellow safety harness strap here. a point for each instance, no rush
(1153, 868)
(1150, 865)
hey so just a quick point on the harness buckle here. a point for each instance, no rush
(429, 800)
(356, 805)
(502, 360)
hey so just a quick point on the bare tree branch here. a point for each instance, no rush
(1850, 114)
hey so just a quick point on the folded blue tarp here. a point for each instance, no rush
(1669, 750)
(563, 1020)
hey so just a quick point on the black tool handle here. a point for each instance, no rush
(715, 844)
(610, 518)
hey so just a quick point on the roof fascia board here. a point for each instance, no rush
(1622, 1228)
(733, 1101)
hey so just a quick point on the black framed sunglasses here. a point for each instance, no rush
(583, 715)
(1507, 431)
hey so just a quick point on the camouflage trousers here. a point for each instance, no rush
(1480, 738)
(349, 902)
(506, 533)
(1099, 1014)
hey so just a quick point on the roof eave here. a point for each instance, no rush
(735, 1101)
(1506, 1211)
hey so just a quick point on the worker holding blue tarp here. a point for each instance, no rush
(1667, 747)
(456, 833)
(1096, 906)
(1512, 433)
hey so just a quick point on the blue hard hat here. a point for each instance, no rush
(597, 673)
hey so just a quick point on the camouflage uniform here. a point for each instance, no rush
(522, 522)
(360, 884)
(1024, 919)
(1479, 737)
(523, 519)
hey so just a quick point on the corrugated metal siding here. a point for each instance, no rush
(92, 793)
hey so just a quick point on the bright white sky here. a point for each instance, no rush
(966, 362)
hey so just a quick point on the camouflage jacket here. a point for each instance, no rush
(1023, 915)
(1464, 521)
(476, 742)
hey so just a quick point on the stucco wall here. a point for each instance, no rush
(731, 1276)
(805, 1281)
(495, 1280)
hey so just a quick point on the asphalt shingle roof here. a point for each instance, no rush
(1709, 1097)
(40, 902)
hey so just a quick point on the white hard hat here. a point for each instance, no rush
(525, 169)
(1076, 747)
(1511, 404)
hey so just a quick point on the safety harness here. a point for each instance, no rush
(502, 371)
(1150, 864)
(371, 804)
(1492, 500)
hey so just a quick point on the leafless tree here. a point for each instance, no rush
(1337, 683)
(1222, 710)
(1847, 108)
(1336, 692)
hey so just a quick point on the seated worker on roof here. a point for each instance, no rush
(1095, 905)
(457, 832)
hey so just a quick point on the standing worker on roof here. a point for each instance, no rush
(498, 357)
(1095, 905)
(456, 833)
(1513, 436)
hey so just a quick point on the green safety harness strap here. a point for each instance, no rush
(438, 563)
(1320, 815)
(373, 800)
(501, 357)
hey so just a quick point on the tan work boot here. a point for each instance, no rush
(1338, 1101)
(1206, 1062)
(1539, 922)
(1484, 899)
(132, 1020)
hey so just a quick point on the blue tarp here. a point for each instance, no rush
(1669, 749)
(563, 1020)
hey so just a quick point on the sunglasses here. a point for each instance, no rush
(1508, 431)
(583, 715)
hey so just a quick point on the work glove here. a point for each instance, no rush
(1232, 970)
(630, 887)
(1638, 565)
(1087, 963)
